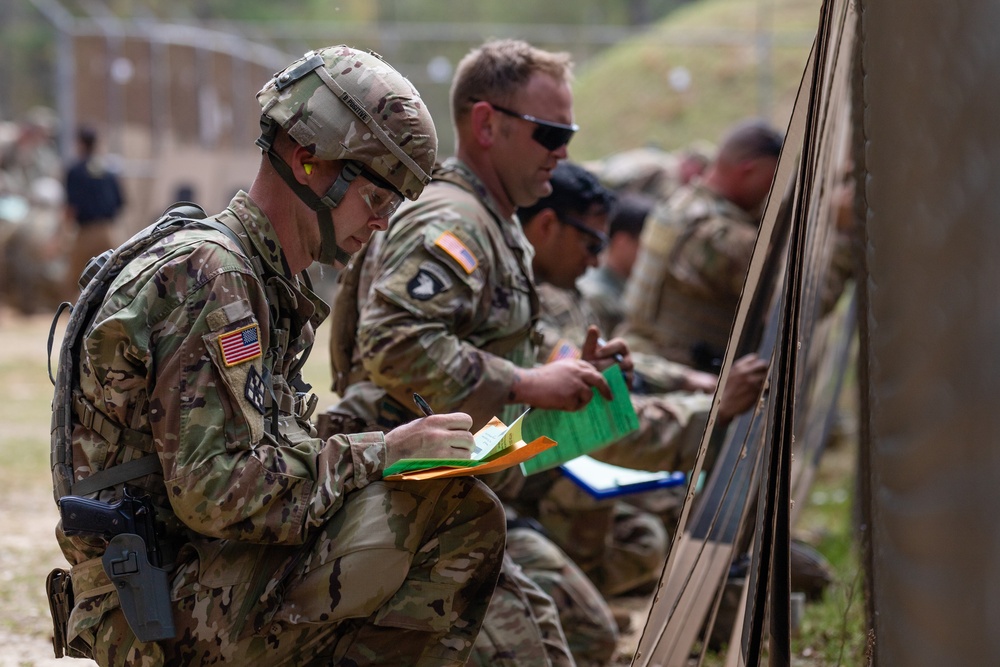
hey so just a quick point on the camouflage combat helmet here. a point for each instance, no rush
(344, 104)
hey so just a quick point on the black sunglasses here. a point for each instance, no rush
(600, 241)
(552, 136)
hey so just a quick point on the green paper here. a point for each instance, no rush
(596, 425)
(491, 441)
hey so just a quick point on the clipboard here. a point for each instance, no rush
(604, 480)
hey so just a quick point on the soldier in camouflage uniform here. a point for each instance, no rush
(603, 286)
(696, 247)
(617, 545)
(283, 549)
(446, 306)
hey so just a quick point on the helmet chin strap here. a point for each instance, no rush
(329, 252)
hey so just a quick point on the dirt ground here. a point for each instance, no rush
(28, 549)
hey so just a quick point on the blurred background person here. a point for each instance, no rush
(603, 286)
(682, 296)
(93, 201)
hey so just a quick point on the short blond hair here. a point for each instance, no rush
(495, 70)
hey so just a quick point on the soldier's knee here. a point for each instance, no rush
(471, 512)
(533, 551)
(492, 516)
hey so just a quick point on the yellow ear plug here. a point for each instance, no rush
(308, 169)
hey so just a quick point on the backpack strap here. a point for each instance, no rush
(68, 403)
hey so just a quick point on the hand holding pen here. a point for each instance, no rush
(443, 436)
(598, 351)
(422, 405)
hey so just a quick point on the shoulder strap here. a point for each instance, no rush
(103, 269)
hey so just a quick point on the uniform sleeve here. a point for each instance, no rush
(430, 291)
(669, 433)
(222, 477)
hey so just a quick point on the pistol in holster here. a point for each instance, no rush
(131, 560)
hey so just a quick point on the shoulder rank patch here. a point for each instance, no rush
(430, 281)
(461, 254)
(564, 349)
(254, 390)
(240, 345)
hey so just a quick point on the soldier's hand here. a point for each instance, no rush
(699, 381)
(746, 378)
(561, 385)
(603, 353)
(443, 436)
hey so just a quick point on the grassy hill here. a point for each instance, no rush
(743, 59)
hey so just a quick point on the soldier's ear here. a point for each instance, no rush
(546, 225)
(300, 160)
(483, 124)
(551, 221)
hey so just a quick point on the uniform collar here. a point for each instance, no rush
(456, 172)
(261, 233)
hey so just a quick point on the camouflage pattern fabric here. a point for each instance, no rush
(618, 546)
(603, 291)
(564, 326)
(593, 634)
(382, 122)
(453, 303)
(686, 284)
(451, 316)
(289, 549)
(32, 271)
(523, 624)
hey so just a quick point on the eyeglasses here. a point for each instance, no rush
(549, 134)
(380, 197)
(600, 241)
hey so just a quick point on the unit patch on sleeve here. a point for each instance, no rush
(430, 280)
(254, 390)
(240, 345)
(458, 251)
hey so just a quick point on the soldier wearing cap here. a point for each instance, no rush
(282, 548)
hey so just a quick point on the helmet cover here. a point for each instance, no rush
(344, 104)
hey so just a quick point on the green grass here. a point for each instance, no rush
(623, 98)
(25, 408)
(832, 630)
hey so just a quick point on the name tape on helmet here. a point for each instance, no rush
(354, 106)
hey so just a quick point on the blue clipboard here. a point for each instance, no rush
(604, 480)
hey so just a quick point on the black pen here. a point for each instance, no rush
(422, 404)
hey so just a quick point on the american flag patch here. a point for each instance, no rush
(564, 350)
(451, 245)
(240, 345)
